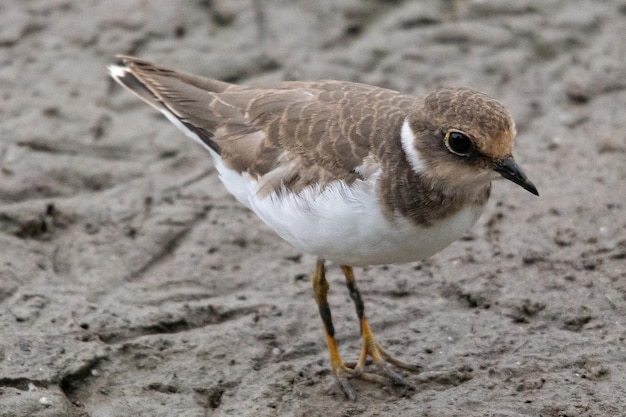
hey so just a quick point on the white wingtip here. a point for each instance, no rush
(117, 71)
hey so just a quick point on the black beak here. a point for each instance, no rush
(509, 169)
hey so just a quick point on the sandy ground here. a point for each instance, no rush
(132, 284)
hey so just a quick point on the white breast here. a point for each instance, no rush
(344, 224)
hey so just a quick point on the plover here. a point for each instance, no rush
(354, 174)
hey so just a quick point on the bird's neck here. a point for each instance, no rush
(424, 200)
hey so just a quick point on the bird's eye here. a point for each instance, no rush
(458, 143)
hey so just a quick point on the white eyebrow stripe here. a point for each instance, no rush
(408, 145)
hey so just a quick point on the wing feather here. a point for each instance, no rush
(289, 135)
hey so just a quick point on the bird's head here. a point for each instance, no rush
(462, 137)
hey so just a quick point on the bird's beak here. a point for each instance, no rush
(509, 169)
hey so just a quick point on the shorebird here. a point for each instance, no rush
(354, 174)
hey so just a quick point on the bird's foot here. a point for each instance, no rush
(382, 360)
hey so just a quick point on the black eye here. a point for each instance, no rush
(458, 143)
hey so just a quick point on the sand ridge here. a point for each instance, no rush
(131, 283)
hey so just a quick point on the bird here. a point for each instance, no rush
(353, 174)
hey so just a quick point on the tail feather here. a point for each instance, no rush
(161, 88)
(125, 77)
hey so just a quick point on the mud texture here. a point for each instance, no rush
(132, 284)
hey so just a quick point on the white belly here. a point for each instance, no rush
(345, 224)
(341, 224)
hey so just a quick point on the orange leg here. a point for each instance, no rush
(320, 289)
(370, 347)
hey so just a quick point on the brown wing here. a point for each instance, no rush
(290, 134)
(186, 97)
